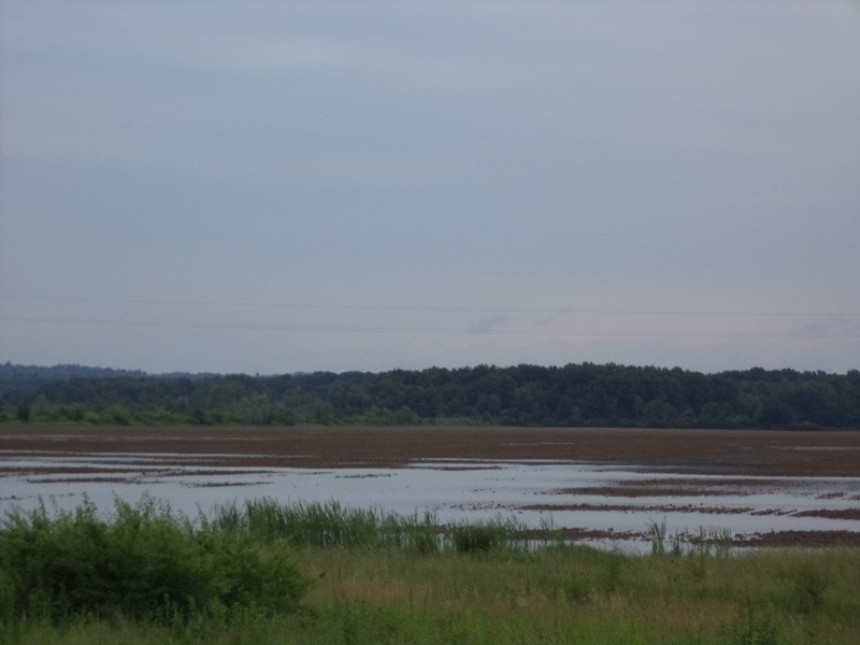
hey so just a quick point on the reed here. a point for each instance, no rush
(498, 533)
(326, 524)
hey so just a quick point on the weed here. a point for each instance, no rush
(550, 535)
(753, 629)
(578, 589)
(810, 586)
(657, 533)
(612, 572)
(499, 533)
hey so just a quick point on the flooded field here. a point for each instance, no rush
(603, 486)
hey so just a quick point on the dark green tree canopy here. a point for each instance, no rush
(571, 395)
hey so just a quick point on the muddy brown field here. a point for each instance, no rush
(727, 452)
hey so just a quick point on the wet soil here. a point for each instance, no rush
(800, 539)
(726, 452)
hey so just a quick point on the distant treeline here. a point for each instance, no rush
(526, 395)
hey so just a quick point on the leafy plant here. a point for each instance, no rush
(145, 563)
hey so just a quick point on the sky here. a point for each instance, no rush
(273, 187)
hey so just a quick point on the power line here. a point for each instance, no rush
(562, 310)
(340, 329)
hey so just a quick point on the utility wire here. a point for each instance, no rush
(562, 310)
(340, 329)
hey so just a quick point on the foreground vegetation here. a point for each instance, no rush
(525, 395)
(266, 573)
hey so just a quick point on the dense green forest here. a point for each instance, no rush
(571, 395)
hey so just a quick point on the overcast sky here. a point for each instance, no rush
(293, 186)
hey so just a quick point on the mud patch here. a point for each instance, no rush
(832, 514)
(794, 539)
(628, 508)
(641, 491)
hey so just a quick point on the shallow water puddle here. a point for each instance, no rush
(607, 503)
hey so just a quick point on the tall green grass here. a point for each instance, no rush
(240, 574)
(325, 524)
(330, 524)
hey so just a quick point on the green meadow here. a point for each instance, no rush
(264, 573)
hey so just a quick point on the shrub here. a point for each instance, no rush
(145, 563)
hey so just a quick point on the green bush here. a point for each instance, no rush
(146, 563)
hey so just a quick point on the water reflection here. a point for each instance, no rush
(612, 504)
